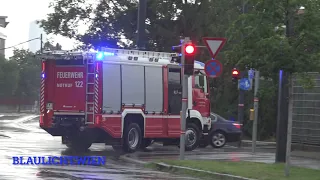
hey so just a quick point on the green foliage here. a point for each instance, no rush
(256, 39)
(49, 46)
(250, 170)
(8, 77)
(20, 75)
(28, 71)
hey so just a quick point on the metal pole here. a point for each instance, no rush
(256, 108)
(241, 92)
(282, 124)
(241, 108)
(289, 131)
(142, 11)
(184, 102)
(41, 44)
(278, 131)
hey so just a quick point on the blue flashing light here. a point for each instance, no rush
(96, 75)
(42, 75)
(100, 55)
(108, 54)
(180, 54)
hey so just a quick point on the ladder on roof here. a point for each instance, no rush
(89, 109)
(146, 54)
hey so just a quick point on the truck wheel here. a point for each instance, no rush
(132, 138)
(192, 137)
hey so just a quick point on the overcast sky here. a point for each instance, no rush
(20, 13)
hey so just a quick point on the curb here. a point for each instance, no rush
(163, 166)
(132, 160)
(259, 142)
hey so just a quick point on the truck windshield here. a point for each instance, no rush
(200, 81)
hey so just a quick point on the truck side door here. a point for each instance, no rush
(200, 94)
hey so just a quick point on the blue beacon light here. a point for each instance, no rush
(100, 55)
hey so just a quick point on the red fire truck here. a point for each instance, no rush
(123, 98)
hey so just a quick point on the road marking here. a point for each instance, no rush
(229, 146)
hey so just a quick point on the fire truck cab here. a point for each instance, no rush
(123, 98)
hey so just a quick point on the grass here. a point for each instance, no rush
(260, 171)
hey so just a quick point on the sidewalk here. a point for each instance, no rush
(234, 170)
(262, 157)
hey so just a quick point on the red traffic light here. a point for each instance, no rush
(235, 73)
(189, 49)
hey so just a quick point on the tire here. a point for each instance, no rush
(132, 138)
(218, 139)
(192, 137)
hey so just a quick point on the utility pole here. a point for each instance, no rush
(41, 44)
(241, 108)
(241, 92)
(141, 35)
(183, 112)
(289, 131)
(256, 108)
(283, 97)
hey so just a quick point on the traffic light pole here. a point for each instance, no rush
(256, 108)
(241, 108)
(141, 36)
(183, 112)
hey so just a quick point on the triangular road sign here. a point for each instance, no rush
(214, 44)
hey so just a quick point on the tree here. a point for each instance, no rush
(167, 21)
(8, 77)
(260, 41)
(49, 46)
(29, 74)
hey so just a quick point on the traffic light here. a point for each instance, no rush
(235, 75)
(189, 51)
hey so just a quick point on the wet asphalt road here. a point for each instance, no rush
(21, 136)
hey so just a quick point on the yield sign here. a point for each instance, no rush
(214, 44)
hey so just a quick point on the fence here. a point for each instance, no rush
(306, 113)
(22, 108)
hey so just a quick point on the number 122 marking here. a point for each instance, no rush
(79, 84)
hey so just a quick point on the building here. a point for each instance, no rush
(34, 32)
(3, 37)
